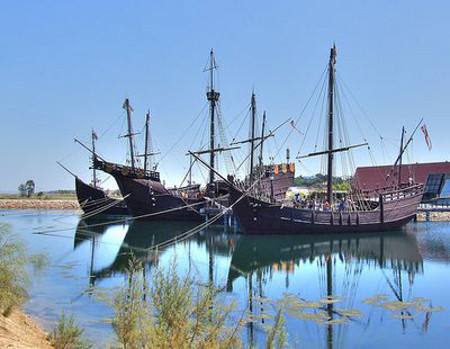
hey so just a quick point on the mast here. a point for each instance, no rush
(213, 98)
(262, 138)
(94, 157)
(129, 110)
(147, 138)
(190, 170)
(330, 123)
(401, 158)
(252, 139)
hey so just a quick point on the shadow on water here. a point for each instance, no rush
(144, 239)
(255, 259)
(254, 253)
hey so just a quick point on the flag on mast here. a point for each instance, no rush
(427, 136)
(126, 105)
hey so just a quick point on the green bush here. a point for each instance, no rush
(14, 278)
(68, 335)
(173, 313)
(179, 313)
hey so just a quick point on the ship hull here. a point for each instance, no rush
(150, 200)
(259, 217)
(93, 200)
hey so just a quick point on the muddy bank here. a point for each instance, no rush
(20, 204)
(19, 331)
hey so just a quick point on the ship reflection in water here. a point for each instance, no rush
(349, 269)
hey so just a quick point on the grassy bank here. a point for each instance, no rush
(16, 329)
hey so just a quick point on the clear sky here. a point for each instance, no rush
(66, 67)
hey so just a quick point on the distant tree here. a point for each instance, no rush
(22, 189)
(344, 186)
(30, 187)
(40, 194)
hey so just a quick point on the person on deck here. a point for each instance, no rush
(341, 205)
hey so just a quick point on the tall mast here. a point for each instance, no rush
(212, 97)
(147, 139)
(94, 157)
(330, 122)
(262, 141)
(401, 157)
(129, 110)
(252, 139)
(190, 170)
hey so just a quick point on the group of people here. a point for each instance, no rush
(344, 204)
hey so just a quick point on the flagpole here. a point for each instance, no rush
(94, 158)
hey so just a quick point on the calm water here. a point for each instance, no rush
(351, 270)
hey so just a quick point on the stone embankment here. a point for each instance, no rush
(21, 204)
(19, 331)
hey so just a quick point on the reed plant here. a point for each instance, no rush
(68, 335)
(14, 272)
(174, 312)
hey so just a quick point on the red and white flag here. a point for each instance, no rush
(427, 136)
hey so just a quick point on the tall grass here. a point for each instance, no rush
(68, 335)
(177, 313)
(14, 275)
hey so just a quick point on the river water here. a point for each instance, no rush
(376, 290)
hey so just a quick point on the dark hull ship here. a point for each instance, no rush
(145, 196)
(377, 211)
(150, 200)
(259, 217)
(93, 200)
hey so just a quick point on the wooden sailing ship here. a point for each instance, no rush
(94, 200)
(91, 197)
(273, 179)
(376, 211)
(145, 196)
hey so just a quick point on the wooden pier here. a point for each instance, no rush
(433, 212)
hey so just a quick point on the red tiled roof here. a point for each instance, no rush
(374, 177)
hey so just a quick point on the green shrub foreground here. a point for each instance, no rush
(14, 276)
(68, 335)
(178, 313)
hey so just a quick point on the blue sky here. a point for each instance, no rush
(66, 67)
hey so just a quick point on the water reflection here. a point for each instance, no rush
(262, 267)
(267, 255)
(258, 258)
(113, 244)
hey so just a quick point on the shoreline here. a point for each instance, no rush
(19, 330)
(38, 204)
